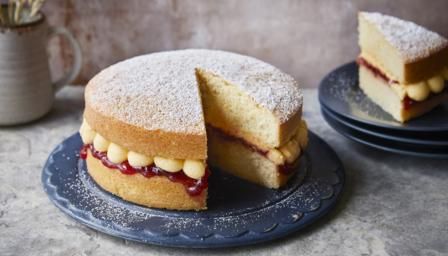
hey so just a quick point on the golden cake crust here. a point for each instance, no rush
(288, 128)
(150, 143)
(241, 161)
(426, 67)
(157, 191)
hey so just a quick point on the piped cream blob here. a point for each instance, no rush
(169, 165)
(436, 84)
(116, 154)
(290, 151)
(86, 132)
(139, 160)
(302, 135)
(276, 157)
(100, 143)
(194, 169)
(399, 89)
(418, 91)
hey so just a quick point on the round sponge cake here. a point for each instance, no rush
(152, 105)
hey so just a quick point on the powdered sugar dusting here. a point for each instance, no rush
(414, 42)
(159, 90)
(267, 85)
(96, 202)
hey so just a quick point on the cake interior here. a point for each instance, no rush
(237, 158)
(245, 139)
(228, 108)
(380, 89)
(373, 43)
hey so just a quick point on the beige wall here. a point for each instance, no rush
(305, 38)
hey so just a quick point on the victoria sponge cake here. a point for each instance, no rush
(153, 123)
(403, 67)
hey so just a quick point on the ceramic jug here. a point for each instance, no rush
(26, 89)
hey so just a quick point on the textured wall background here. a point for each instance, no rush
(305, 38)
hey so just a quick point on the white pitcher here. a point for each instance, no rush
(26, 89)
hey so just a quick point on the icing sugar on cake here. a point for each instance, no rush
(159, 90)
(414, 42)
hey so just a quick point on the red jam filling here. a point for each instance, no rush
(377, 72)
(192, 186)
(229, 137)
(285, 169)
(407, 102)
(288, 169)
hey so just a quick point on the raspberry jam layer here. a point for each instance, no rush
(193, 187)
(407, 102)
(377, 72)
(288, 169)
(285, 169)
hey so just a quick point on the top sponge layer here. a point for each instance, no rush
(406, 51)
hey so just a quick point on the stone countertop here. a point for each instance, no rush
(392, 204)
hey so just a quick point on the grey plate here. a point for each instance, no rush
(339, 91)
(383, 144)
(427, 140)
(239, 213)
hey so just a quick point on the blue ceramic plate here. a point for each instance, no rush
(339, 91)
(239, 213)
(427, 141)
(383, 144)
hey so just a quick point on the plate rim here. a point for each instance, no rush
(418, 142)
(380, 147)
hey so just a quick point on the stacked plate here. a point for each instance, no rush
(346, 108)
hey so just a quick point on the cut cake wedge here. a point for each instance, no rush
(403, 67)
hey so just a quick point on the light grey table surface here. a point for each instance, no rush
(392, 204)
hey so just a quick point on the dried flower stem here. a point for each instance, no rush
(36, 5)
(20, 11)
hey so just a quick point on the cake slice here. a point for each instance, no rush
(248, 138)
(402, 66)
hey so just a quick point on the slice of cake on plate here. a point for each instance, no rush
(145, 136)
(403, 67)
